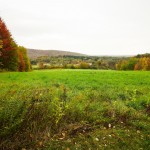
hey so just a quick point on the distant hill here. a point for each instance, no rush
(34, 53)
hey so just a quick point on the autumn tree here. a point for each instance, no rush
(102, 64)
(84, 65)
(1, 46)
(24, 62)
(145, 63)
(137, 66)
(21, 66)
(148, 63)
(12, 56)
(9, 53)
(41, 65)
(140, 62)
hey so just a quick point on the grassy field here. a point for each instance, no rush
(75, 109)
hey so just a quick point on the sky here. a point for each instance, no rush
(93, 27)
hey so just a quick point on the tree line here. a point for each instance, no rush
(12, 56)
(139, 62)
(76, 62)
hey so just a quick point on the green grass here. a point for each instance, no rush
(75, 109)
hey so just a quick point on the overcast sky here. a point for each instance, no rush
(94, 27)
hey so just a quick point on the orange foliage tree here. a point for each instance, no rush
(141, 62)
(11, 57)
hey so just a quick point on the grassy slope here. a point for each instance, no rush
(75, 109)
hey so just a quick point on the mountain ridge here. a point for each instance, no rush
(35, 53)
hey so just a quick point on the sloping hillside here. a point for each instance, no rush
(33, 53)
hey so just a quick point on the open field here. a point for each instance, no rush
(75, 109)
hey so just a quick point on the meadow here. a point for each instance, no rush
(75, 109)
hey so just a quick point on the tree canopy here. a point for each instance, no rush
(12, 56)
(139, 62)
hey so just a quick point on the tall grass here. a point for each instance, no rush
(75, 110)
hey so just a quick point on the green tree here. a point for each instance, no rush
(131, 63)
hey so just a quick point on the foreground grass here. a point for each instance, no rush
(75, 109)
